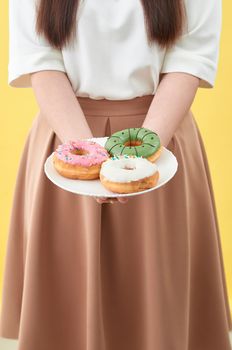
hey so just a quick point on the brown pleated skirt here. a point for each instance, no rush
(144, 275)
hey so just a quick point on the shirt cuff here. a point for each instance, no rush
(198, 66)
(19, 68)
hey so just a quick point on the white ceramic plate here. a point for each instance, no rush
(167, 166)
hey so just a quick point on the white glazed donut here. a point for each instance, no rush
(127, 174)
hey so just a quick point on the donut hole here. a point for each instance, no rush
(129, 167)
(79, 152)
(133, 143)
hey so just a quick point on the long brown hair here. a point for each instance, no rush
(164, 20)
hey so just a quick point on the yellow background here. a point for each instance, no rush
(212, 109)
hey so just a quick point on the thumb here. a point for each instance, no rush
(122, 199)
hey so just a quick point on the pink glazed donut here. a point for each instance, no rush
(80, 159)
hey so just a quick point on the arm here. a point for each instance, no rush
(59, 105)
(173, 99)
(61, 108)
(190, 63)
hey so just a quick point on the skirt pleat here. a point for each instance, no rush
(143, 275)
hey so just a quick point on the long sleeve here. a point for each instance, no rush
(196, 51)
(28, 52)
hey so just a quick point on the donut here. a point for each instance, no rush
(127, 174)
(141, 142)
(79, 159)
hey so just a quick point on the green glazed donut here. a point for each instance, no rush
(139, 142)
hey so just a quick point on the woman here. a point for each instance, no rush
(143, 274)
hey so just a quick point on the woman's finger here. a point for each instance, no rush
(111, 200)
(102, 200)
(122, 199)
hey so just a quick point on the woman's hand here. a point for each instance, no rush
(112, 200)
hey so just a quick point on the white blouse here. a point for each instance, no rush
(110, 57)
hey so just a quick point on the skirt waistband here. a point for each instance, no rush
(106, 107)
